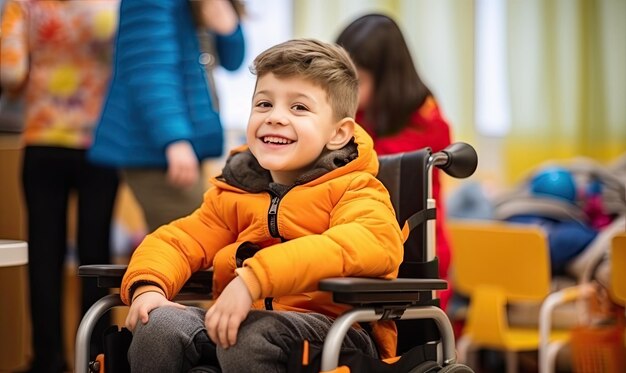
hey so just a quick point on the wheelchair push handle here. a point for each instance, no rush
(458, 160)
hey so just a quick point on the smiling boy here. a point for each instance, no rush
(298, 203)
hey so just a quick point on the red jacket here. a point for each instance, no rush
(427, 127)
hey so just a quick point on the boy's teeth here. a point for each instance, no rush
(276, 140)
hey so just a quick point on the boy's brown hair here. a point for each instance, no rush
(326, 65)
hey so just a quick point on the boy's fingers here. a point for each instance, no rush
(211, 326)
(222, 331)
(233, 328)
(133, 318)
(130, 322)
(143, 315)
(178, 305)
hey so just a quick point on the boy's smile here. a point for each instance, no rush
(291, 123)
(276, 140)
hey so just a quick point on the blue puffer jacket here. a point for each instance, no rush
(158, 93)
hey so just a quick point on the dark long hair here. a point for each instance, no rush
(376, 44)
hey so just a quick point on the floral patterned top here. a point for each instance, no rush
(60, 53)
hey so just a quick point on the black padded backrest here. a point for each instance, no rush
(405, 177)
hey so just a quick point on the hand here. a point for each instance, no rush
(222, 320)
(182, 164)
(143, 304)
(219, 16)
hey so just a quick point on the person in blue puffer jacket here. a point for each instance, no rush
(159, 120)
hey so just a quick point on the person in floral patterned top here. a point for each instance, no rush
(58, 54)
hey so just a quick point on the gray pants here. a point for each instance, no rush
(175, 340)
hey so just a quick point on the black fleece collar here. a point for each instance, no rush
(242, 170)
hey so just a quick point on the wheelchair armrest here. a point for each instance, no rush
(370, 291)
(110, 276)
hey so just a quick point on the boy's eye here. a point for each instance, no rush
(263, 104)
(299, 107)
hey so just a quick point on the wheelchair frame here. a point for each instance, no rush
(373, 299)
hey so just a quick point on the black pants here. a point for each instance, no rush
(49, 175)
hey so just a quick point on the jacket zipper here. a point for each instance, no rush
(268, 303)
(272, 222)
(272, 217)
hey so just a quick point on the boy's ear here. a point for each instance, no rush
(343, 134)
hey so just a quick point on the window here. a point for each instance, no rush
(492, 85)
(262, 29)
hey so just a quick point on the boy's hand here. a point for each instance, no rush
(143, 304)
(182, 164)
(222, 320)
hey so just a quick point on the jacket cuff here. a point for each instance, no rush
(146, 289)
(251, 281)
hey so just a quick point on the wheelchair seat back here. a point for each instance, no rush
(405, 177)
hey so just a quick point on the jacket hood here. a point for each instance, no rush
(243, 171)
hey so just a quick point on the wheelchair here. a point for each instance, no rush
(423, 328)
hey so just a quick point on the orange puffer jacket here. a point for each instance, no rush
(338, 224)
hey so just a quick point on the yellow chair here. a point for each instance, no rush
(496, 264)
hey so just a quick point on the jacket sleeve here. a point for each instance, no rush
(14, 52)
(149, 61)
(363, 240)
(169, 256)
(231, 49)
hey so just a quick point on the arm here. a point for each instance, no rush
(168, 257)
(219, 16)
(148, 60)
(14, 47)
(222, 21)
(231, 49)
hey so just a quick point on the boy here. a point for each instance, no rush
(298, 204)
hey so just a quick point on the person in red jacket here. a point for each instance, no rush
(395, 106)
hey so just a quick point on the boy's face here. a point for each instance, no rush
(291, 122)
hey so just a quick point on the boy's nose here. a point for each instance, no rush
(277, 117)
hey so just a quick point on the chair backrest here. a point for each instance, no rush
(407, 178)
(404, 176)
(514, 258)
(618, 268)
(496, 263)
